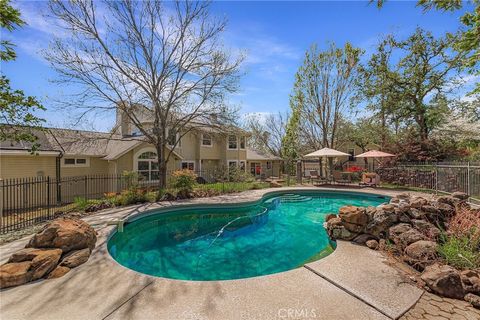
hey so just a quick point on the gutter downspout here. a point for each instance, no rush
(58, 175)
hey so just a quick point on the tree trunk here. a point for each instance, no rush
(384, 129)
(162, 167)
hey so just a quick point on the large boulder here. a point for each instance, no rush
(353, 218)
(58, 272)
(403, 234)
(372, 244)
(448, 200)
(15, 273)
(421, 253)
(363, 238)
(444, 281)
(336, 230)
(418, 202)
(44, 262)
(471, 281)
(65, 234)
(330, 216)
(382, 220)
(75, 258)
(416, 213)
(473, 299)
(426, 228)
(26, 254)
(39, 261)
(446, 210)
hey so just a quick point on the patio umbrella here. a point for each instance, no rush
(326, 153)
(375, 154)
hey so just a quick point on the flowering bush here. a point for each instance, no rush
(184, 180)
(354, 169)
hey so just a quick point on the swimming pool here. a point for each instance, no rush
(282, 231)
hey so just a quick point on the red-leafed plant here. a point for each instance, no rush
(354, 169)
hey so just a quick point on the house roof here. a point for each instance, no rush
(257, 155)
(108, 146)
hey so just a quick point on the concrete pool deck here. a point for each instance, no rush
(354, 282)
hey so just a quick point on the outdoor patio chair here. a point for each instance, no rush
(316, 179)
(339, 179)
(370, 179)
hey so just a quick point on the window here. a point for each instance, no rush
(190, 165)
(269, 165)
(352, 154)
(174, 137)
(232, 164)
(232, 142)
(242, 142)
(255, 168)
(206, 140)
(242, 166)
(147, 166)
(69, 161)
(75, 162)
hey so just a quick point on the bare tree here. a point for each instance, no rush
(266, 132)
(161, 63)
(326, 81)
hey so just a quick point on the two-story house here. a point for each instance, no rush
(65, 152)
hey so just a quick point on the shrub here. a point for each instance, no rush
(466, 222)
(80, 203)
(132, 196)
(130, 179)
(184, 180)
(460, 251)
(237, 175)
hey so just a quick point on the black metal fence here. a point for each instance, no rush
(445, 177)
(28, 201)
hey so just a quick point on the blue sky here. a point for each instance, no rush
(275, 36)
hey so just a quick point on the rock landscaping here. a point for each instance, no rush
(60, 246)
(429, 235)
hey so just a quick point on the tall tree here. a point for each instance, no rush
(164, 57)
(326, 81)
(266, 132)
(469, 40)
(426, 68)
(290, 142)
(18, 121)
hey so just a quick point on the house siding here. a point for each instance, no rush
(97, 166)
(23, 166)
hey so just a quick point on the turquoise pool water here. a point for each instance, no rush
(279, 233)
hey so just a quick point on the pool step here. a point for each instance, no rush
(290, 197)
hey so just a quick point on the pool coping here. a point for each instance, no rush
(102, 257)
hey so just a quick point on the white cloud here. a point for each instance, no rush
(34, 14)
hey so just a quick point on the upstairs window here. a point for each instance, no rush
(232, 142)
(242, 142)
(351, 153)
(173, 137)
(206, 140)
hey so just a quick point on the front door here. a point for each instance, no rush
(255, 169)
